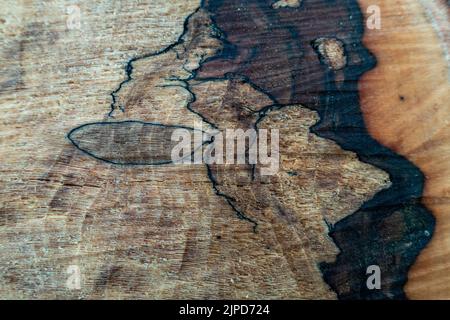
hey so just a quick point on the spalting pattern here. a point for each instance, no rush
(156, 88)
(224, 94)
(129, 142)
(318, 183)
(289, 71)
(172, 231)
(405, 103)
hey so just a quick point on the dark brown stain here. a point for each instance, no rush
(275, 52)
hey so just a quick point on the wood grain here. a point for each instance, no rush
(391, 228)
(291, 210)
(405, 103)
(82, 106)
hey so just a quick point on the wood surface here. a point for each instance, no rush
(405, 102)
(86, 178)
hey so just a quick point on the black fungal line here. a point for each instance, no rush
(229, 200)
(129, 71)
(129, 65)
(358, 247)
(341, 121)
